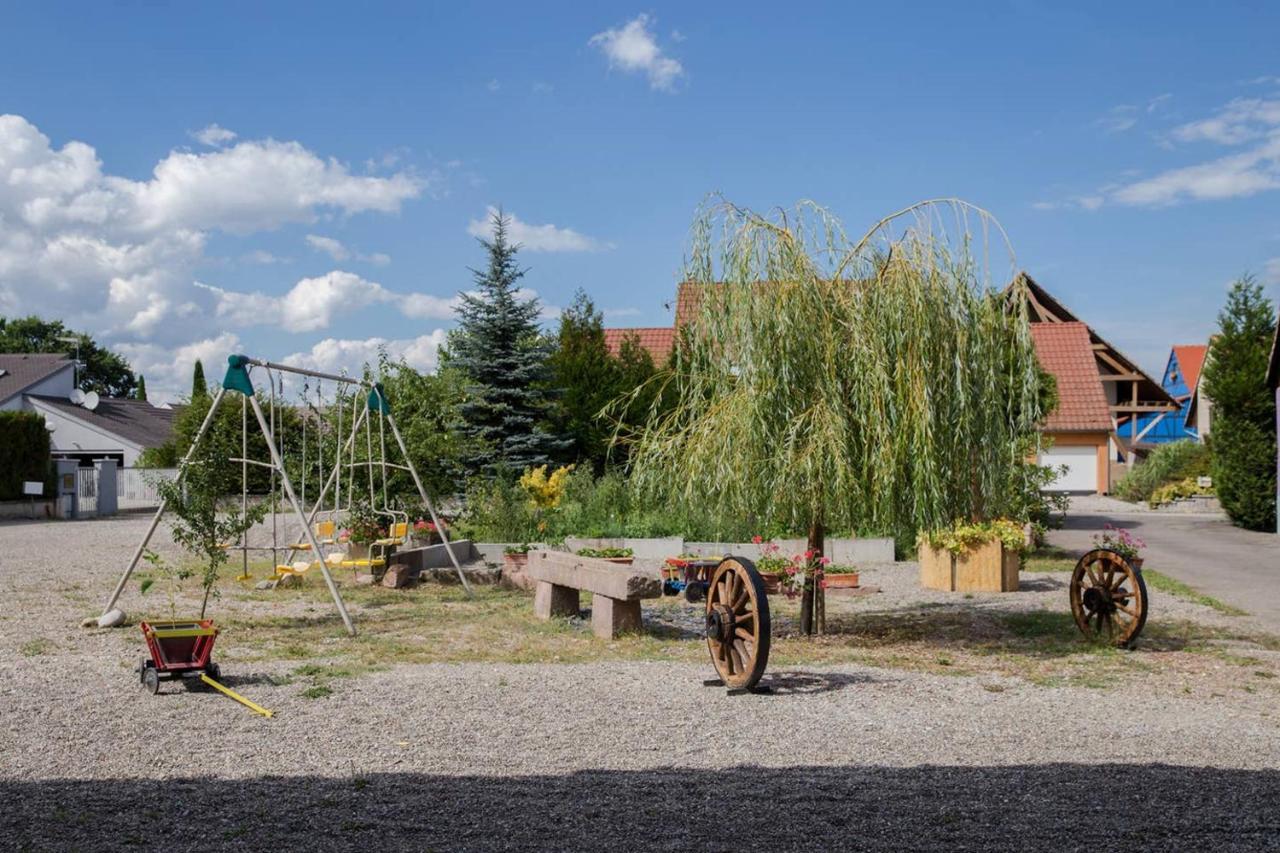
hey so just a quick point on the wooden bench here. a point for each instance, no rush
(616, 590)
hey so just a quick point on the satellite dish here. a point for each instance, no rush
(77, 396)
(90, 400)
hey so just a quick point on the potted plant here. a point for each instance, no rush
(425, 532)
(837, 576)
(362, 527)
(515, 558)
(973, 556)
(1122, 542)
(808, 569)
(621, 556)
(771, 564)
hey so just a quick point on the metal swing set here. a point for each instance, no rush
(315, 536)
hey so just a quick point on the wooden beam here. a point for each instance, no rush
(1144, 408)
(1120, 377)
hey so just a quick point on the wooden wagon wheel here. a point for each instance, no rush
(738, 623)
(1108, 597)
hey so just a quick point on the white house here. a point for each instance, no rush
(113, 429)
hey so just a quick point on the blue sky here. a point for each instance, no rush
(300, 181)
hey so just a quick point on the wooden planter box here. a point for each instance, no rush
(842, 580)
(986, 568)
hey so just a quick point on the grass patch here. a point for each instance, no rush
(439, 624)
(36, 647)
(1171, 586)
(1050, 558)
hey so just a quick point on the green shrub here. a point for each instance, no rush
(1186, 488)
(1244, 472)
(1168, 463)
(24, 452)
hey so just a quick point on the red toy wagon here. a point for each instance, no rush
(178, 650)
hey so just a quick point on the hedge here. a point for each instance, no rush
(24, 452)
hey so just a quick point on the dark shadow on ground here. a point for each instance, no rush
(1031, 583)
(1028, 807)
(797, 683)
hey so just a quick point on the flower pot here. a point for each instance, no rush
(772, 582)
(841, 580)
(514, 571)
(621, 561)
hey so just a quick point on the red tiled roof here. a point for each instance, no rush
(1190, 360)
(1066, 351)
(658, 340)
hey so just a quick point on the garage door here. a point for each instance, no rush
(1082, 467)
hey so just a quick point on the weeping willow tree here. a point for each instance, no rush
(879, 384)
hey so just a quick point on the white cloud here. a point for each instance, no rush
(1241, 120)
(633, 48)
(117, 256)
(308, 306)
(493, 85)
(1271, 271)
(336, 250)
(1119, 119)
(214, 136)
(536, 238)
(262, 256)
(312, 304)
(337, 355)
(168, 371)
(1233, 176)
(329, 246)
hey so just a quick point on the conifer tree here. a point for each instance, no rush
(199, 388)
(1243, 439)
(140, 392)
(500, 349)
(589, 379)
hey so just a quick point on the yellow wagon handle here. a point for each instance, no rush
(248, 703)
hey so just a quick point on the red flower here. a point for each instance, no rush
(791, 570)
(757, 539)
(822, 584)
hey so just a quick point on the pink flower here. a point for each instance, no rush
(791, 570)
(825, 561)
(808, 555)
(822, 583)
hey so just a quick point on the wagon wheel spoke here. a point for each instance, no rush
(1093, 578)
(737, 656)
(743, 634)
(741, 599)
(1130, 611)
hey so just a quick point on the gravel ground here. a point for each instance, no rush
(630, 756)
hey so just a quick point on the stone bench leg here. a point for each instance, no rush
(553, 600)
(611, 616)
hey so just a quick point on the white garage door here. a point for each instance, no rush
(1082, 467)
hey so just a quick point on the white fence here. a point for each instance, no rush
(135, 487)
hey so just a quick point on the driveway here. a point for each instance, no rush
(1239, 567)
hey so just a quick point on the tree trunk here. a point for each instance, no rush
(812, 596)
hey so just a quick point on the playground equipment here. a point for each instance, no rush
(1108, 597)
(365, 407)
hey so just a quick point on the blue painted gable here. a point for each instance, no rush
(1173, 427)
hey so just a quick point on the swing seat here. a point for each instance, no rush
(399, 533)
(371, 563)
(299, 567)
